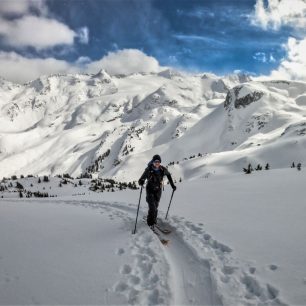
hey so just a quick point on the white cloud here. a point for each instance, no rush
(83, 61)
(38, 32)
(14, 7)
(22, 7)
(294, 65)
(280, 12)
(32, 26)
(83, 35)
(17, 68)
(272, 58)
(125, 61)
(260, 57)
(263, 57)
(20, 69)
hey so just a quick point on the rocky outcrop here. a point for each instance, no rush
(234, 97)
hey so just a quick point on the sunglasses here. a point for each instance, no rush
(156, 162)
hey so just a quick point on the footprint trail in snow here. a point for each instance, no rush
(193, 269)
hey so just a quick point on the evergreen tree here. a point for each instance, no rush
(248, 170)
(299, 166)
(39, 180)
(293, 165)
(267, 166)
(19, 186)
(258, 168)
(20, 194)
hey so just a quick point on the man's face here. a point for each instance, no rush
(156, 163)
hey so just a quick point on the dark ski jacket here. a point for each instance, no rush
(155, 177)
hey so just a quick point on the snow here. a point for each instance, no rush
(58, 254)
(236, 239)
(261, 217)
(64, 123)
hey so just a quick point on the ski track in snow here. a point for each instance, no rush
(194, 269)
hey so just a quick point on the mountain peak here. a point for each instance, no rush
(170, 73)
(103, 76)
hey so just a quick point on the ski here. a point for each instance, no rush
(165, 231)
(161, 239)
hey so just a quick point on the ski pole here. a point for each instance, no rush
(169, 204)
(134, 232)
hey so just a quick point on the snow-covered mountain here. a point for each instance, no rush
(113, 125)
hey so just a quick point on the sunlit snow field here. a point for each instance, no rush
(236, 239)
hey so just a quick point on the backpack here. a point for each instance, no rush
(155, 179)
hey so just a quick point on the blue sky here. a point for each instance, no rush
(219, 36)
(196, 35)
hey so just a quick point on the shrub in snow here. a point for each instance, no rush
(86, 175)
(258, 168)
(293, 165)
(248, 170)
(19, 186)
(66, 175)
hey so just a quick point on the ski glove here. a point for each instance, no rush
(174, 187)
(141, 182)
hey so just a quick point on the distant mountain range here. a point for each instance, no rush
(112, 125)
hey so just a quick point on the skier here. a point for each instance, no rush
(154, 174)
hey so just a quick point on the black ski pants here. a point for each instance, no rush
(153, 197)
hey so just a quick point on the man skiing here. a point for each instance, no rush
(154, 174)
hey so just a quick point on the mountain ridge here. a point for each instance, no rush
(113, 125)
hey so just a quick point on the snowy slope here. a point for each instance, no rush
(110, 125)
(236, 240)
